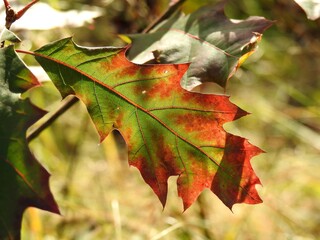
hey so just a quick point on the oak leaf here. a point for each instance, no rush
(214, 44)
(169, 131)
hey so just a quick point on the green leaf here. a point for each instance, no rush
(23, 181)
(209, 40)
(169, 131)
(7, 35)
(311, 7)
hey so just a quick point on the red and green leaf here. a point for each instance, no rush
(23, 181)
(215, 45)
(169, 131)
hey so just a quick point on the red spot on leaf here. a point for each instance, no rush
(205, 126)
(147, 70)
(128, 71)
(163, 82)
(116, 61)
(162, 89)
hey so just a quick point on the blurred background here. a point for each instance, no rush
(101, 197)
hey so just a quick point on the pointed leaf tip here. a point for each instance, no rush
(235, 179)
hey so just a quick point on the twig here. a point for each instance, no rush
(12, 16)
(69, 102)
(23, 10)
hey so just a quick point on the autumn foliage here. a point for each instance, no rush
(169, 129)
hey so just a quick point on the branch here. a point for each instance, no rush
(174, 5)
(6, 4)
(23, 10)
(52, 116)
(12, 16)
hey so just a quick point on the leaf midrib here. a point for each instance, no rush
(142, 109)
(126, 99)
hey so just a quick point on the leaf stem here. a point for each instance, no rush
(69, 102)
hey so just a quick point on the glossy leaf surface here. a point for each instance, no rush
(215, 45)
(23, 181)
(169, 131)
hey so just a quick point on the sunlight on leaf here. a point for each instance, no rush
(169, 131)
(209, 40)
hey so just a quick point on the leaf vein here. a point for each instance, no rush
(98, 104)
(147, 148)
(126, 99)
(202, 41)
(181, 160)
(22, 177)
(138, 80)
(188, 109)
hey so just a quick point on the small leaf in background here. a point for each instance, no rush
(311, 7)
(206, 38)
(7, 35)
(169, 131)
(23, 181)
